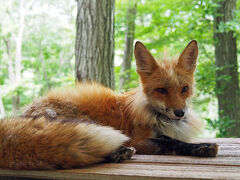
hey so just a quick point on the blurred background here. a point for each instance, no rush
(41, 49)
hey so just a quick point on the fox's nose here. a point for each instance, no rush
(179, 112)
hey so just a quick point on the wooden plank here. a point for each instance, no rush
(228, 147)
(218, 140)
(225, 161)
(229, 154)
(166, 171)
(229, 150)
(136, 171)
(142, 167)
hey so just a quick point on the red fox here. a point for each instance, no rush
(87, 124)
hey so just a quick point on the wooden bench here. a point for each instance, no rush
(225, 166)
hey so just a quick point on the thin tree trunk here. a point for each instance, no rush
(2, 109)
(15, 104)
(227, 82)
(18, 57)
(94, 50)
(41, 58)
(128, 51)
(11, 75)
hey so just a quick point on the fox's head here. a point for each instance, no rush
(167, 84)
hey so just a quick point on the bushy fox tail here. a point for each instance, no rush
(39, 144)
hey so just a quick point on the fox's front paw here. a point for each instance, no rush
(122, 153)
(205, 150)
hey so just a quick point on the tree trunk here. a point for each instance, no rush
(128, 51)
(227, 82)
(15, 104)
(2, 109)
(44, 70)
(94, 49)
(18, 56)
(7, 42)
(23, 9)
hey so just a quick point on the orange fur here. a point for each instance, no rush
(40, 144)
(66, 127)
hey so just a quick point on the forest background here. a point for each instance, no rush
(37, 50)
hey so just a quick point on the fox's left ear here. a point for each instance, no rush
(188, 58)
(146, 63)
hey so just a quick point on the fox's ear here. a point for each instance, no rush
(188, 58)
(146, 64)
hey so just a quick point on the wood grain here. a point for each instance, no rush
(225, 166)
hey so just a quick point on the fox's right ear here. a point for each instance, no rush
(188, 58)
(146, 64)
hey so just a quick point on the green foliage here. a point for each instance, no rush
(224, 122)
(47, 49)
(133, 81)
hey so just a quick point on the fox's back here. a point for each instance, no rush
(87, 102)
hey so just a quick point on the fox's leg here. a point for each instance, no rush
(167, 146)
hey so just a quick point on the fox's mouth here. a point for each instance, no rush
(162, 115)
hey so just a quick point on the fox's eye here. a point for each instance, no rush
(185, 89)
(162, 90)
